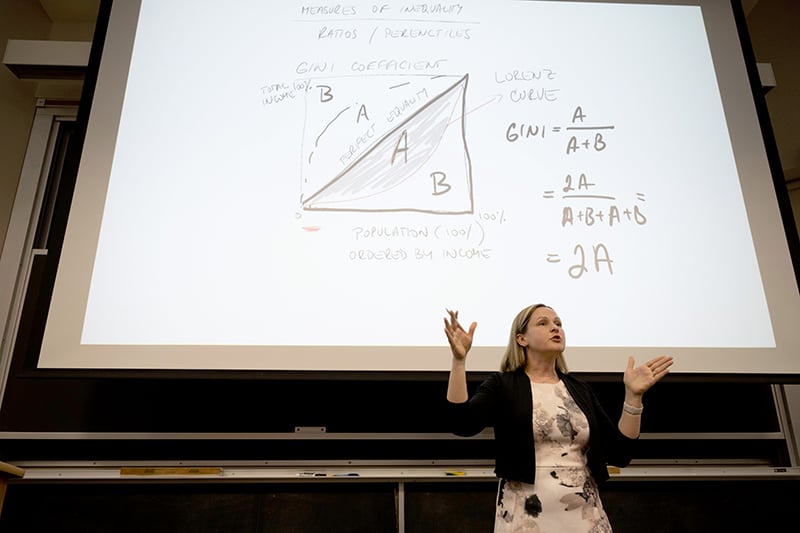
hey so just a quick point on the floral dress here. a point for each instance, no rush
(564, 498)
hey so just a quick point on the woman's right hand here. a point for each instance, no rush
(460, 340)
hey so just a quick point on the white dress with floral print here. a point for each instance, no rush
(564, 498)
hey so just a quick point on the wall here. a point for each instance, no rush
(19, 19)
(26, 19)
(773, 29)
(773, 26)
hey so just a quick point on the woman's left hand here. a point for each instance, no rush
(638, 379)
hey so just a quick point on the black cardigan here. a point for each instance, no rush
(504, 401)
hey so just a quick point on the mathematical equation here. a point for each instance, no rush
(583, 137)
(606, 210)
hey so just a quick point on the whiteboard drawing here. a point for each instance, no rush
(400, 145)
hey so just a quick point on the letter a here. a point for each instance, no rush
(578, 115)
(566, 216)
(362, 112)
(402, 140)
(601, 256)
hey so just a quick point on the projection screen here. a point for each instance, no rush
(281, 186)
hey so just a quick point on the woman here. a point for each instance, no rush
(552, 437)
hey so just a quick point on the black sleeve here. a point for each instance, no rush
(476, 414)
(618, 448)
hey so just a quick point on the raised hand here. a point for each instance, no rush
(638, 379)
(460, 340)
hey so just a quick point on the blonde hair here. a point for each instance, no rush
(514, 357)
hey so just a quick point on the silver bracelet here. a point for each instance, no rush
(631, 410)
